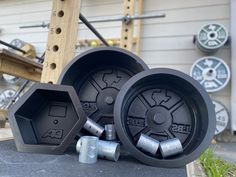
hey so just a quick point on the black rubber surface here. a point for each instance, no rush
(165, 104)
(97, 76)
(15, 164)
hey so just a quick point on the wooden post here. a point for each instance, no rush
(139, 27)
(62, 38)
(128, 29)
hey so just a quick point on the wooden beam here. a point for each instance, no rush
(62, 38)
(127, 32)
(16, 65)
(139, 28)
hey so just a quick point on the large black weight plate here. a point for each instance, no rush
(46, 119)
(164, 104)
(97, 76)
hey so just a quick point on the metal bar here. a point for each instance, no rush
(19, 91)
(13, 47)
(43, 25)
(119, 18)
(142, 17)
(16, 48)
(42, 58)
(125, 18)
(85, 21)
(39, 58)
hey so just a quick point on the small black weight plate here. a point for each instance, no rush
(165, 104)
(97, 76)
(46, 119)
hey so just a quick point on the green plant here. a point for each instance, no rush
(216, 167)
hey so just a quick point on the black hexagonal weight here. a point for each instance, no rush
(46, 119)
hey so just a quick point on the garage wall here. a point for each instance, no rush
(166, 42)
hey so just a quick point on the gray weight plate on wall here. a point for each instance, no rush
(211, 37)
(222, 117)
(211, 72)
(17, 43)
(9, 93)
(5, 96)
(3, 100)
(11, 79)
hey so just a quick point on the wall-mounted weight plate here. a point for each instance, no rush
(29, 49)
(5, 96)
(211, 37)
(98, 75)
(9, 93)
(165, 104)
(212, 73)
(17, 43)
(10, 79)
(3, 100)
(222, 117)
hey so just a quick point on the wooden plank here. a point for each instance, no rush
(172, 15)
(169, 43)
(62, 38)
(181, 57)
(149, 5)
(156, 5)
(127, 30)
(29, 6)
(16, 65)
(148, 30)
(139, 27)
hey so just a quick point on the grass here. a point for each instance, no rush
(215, 166)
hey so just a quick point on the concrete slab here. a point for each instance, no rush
(15, 164)
(195, 169)
(226, 151)
(6, 133)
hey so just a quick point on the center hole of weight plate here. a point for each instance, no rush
(212, 35)
(159, 118)
(210, 72)
(109, 100)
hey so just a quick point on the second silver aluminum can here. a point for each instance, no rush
(87, 146)
(148, 144)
